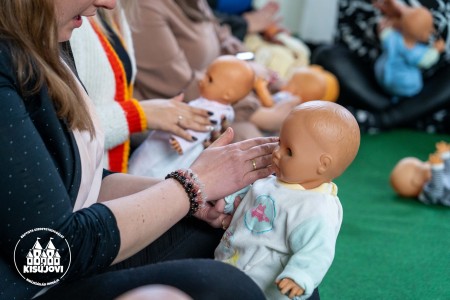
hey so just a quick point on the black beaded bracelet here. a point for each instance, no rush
(191, 186)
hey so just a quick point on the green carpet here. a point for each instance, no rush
(389, 247)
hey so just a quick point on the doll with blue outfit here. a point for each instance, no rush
(283, 232)
(406, 51)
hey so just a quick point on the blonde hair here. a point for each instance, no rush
(29, 28)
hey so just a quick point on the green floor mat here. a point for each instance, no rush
(388, 247)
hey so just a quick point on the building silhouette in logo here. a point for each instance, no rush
(49, 256)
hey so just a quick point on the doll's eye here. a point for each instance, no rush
(289, 151)
(210, 79)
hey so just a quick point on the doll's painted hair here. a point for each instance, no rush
(335, 129)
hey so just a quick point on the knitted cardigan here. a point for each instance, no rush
(103, 75)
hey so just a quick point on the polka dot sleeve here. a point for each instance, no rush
(34, 186)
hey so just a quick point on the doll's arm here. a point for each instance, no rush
(312, 244)
(433, 190)
(443, 149)
(262, 91)
(231, 201)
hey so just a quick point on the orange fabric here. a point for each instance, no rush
(118, 156)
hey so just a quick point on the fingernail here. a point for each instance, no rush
(213, 122)
(194, 138)
(210, 113)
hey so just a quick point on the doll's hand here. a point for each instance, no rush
(174, 116)
(232, 45)
(287, 285)
(176, 146)
(440, 45)
(442, 147)
(213, 214)
(435, 159)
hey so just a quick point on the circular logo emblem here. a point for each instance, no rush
(42, 256)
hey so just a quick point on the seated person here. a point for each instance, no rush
(283, 232)
(260, 28)
(189, 39)
(352, 59)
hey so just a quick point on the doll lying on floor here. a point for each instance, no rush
(226, 81)
(427, 181)
(405, 41)
(283, 232)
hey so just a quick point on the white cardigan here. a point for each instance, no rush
(97, 75)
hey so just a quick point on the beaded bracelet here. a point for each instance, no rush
(192, 186)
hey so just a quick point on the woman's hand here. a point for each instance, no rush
(389, 8)
(174, 116)
(271, 118)
(225, 168)
(261, 19)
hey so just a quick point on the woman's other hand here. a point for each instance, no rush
(175, 116)
(225, 168)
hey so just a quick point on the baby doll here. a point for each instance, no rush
(306, 83)
(283, 232)
(226, 81)
(429, 181)
(404, 39)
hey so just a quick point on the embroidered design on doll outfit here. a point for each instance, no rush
(260, 218)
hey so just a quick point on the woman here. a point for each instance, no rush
(189, 39)
(105, 62)
(52, 188)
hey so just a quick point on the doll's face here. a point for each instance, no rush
(409, 176)
(417, 24)
(318, 141)
(227, 80)
(296, 158)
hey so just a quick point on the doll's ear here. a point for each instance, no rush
(325, 163)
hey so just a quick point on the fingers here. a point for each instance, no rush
(259, 162)
(178, 98)
(251, 143)
(224, 139)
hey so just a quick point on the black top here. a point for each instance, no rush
(39, 181)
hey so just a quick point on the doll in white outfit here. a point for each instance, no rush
(226, 81)
(283, 232)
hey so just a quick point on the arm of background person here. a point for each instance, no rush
(163, 69)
